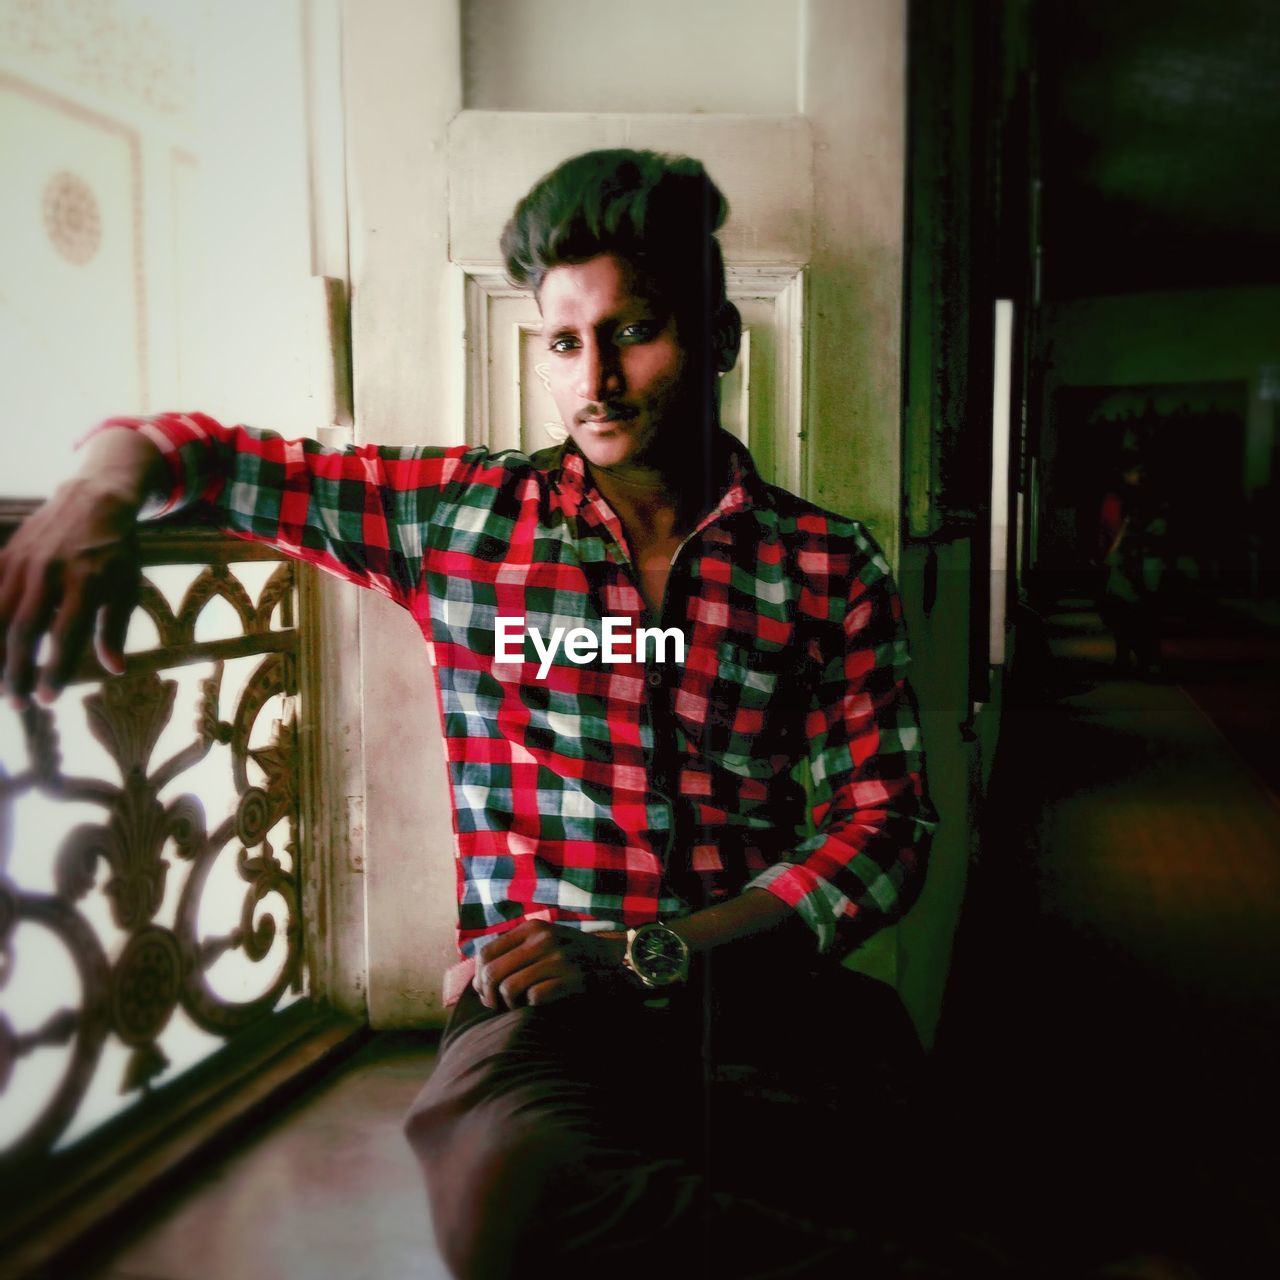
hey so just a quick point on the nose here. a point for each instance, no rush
(599, 372)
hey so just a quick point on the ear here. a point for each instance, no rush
(726, 337)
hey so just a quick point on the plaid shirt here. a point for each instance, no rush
(783, 754)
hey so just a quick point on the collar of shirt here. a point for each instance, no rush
(567, 471)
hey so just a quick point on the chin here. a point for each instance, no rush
(604, 455)
(610, 449)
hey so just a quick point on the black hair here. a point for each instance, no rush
(661, 213)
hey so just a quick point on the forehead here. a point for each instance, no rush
(591, 291)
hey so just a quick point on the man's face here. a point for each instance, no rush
(620, 376)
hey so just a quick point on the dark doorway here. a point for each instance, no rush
(1190, 439)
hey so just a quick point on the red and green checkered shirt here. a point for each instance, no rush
(783, 754)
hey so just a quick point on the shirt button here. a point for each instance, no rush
(653, 679)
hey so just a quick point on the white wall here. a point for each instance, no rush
(153, 165)
(609, 55)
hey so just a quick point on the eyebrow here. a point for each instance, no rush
(633, 312)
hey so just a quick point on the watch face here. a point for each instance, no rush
(659, 955)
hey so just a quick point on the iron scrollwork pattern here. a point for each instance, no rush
(147, 832)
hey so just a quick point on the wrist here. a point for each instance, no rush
(615, 947)
(108, 505)
(756, 922)
(658, 956)
(120, 465)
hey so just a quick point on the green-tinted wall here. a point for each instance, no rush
(1217, 335)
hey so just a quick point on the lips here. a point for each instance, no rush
(613, 413)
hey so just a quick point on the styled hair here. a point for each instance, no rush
(661, 213)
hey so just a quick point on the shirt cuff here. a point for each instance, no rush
(182, 440)
(457, 978)
(818, 903)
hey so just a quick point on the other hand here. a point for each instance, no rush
(71, 566)
(538, 963)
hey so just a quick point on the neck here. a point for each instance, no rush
(663, 495)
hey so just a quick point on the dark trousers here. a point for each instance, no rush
(1136, 628)
(748, 1128)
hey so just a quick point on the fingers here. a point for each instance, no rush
(28, 624)
(69, 556)
(70, 631)
(505, 942)
(37, 594)
(541, 993)
(505, 956)
(11, 584)
(553, 977)
(533, 955)
(113, 618)
(36, 590)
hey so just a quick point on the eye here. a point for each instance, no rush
(641, 331)
(563, 344)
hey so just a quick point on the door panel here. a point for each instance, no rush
(509, 403)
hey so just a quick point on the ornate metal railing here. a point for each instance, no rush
(149, 863)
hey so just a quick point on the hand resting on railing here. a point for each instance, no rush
(71, 570)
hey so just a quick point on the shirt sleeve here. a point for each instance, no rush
(361, 512)
(871, 816)
(1110, 522)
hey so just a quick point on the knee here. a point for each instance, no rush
(491, 1189)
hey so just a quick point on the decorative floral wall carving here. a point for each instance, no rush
(72, 218)
(136, 53)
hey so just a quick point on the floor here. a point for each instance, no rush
(1105, 1076)
(1108, 1059)
(329, 1192)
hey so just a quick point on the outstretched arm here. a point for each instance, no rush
(359, 512)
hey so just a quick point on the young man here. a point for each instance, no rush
(650, 1024)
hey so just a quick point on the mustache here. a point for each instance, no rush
(604, 409)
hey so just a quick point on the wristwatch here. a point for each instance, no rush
(657, 955)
